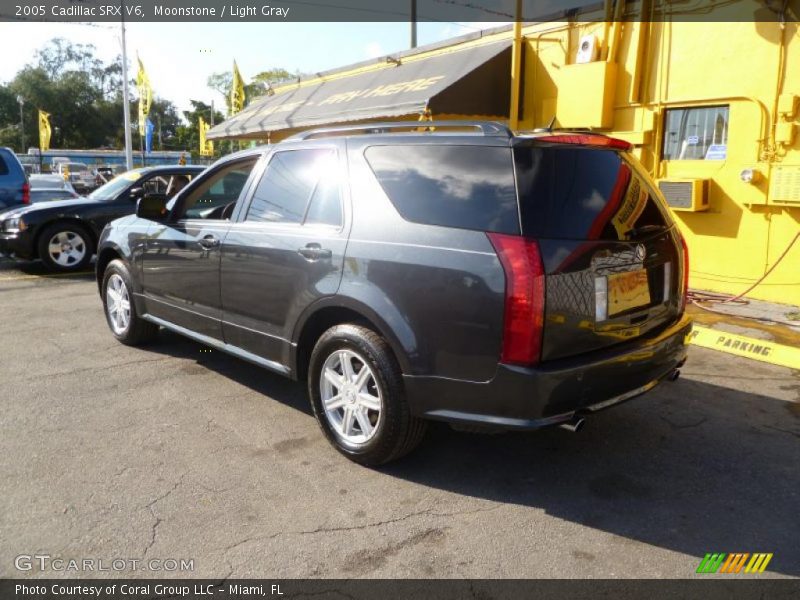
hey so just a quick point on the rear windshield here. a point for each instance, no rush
(583, 193)
(468, 187)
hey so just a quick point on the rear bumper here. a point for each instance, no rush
(529, 398)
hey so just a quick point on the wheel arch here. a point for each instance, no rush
(326, 314)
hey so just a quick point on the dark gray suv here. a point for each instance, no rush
(461, 273)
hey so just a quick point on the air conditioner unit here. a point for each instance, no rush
(587, 49)
(685, 194)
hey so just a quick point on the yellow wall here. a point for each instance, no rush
(661, 65)
(743, 232)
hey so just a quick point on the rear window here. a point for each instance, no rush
(469, 187)
(582, 193)
(3, 167)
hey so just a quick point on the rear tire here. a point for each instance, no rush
(65, 247)
(357, 395)
(120, 310)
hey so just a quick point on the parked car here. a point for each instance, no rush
(64, 233)
(103, 174)
(50, 187)
(14, 186)
(78, 174)
(468, 275)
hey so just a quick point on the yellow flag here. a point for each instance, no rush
(145, 95)
(237, 91)
(44, 130)
(206, 146)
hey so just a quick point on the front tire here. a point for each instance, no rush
(65, 247)
(357, 395)
(120, 310)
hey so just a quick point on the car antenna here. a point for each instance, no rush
(550, 125)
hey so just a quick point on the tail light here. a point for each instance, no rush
(685, 281)
(26, 193)
(587, 139)
(523, 320)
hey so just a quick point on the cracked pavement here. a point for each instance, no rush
(169, 452)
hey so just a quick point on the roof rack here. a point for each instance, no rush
(485, 128)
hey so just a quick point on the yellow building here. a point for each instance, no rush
(711, 108)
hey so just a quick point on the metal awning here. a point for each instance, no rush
(474, 81)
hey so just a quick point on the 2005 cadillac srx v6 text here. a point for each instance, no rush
(462, 273)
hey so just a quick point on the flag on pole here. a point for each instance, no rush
(206, 146)
(148, 135)
(145, 95)
(237, 91)
(44, 130)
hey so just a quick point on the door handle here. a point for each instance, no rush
(209, 241)
(314, 252)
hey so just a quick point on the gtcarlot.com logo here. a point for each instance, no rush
(734, 563)
(45, 562)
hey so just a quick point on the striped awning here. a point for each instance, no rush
(473, 81)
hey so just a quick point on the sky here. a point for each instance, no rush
(179, 57)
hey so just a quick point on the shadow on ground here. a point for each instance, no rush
(691, 467)
(16, 267)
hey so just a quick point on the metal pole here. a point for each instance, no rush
(212, 113)
(126, 109)
(413, 23)
(516, 69)
(21, 101)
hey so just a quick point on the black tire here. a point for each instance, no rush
(78, 236)
(138, 331)
(396, 432)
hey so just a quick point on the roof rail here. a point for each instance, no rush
(486, 128)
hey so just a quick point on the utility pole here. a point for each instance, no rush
(126, 110)
(21, 101)
(413, 23)
(516, 68)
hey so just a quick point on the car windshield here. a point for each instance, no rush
(113, 188)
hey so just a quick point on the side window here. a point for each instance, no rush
(220, 191)
(3, 167)
(298, 186)
(696, 133)
(469, 187)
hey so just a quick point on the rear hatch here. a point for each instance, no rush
(612, 255)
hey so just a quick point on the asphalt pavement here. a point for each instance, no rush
(177, 452)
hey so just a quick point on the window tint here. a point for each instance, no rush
(470, 187)
(219, 191)
(696, 133)
(582, 194)
(289, 181)
(3, 167)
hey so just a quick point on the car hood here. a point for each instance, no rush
(20, 211)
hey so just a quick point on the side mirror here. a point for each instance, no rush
(136, 193)
(152, 207)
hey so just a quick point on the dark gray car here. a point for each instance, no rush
(463, 274)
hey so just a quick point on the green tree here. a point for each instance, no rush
(188, 135)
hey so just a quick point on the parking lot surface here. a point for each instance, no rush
(175, 451)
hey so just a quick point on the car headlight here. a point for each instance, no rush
(14, 225)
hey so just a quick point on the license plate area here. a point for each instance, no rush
(627, 291)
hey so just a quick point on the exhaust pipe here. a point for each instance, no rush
(574, 425)
(673, 376)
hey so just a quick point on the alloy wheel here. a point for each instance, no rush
(118, 304)
(351, 397)
(67, 248)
